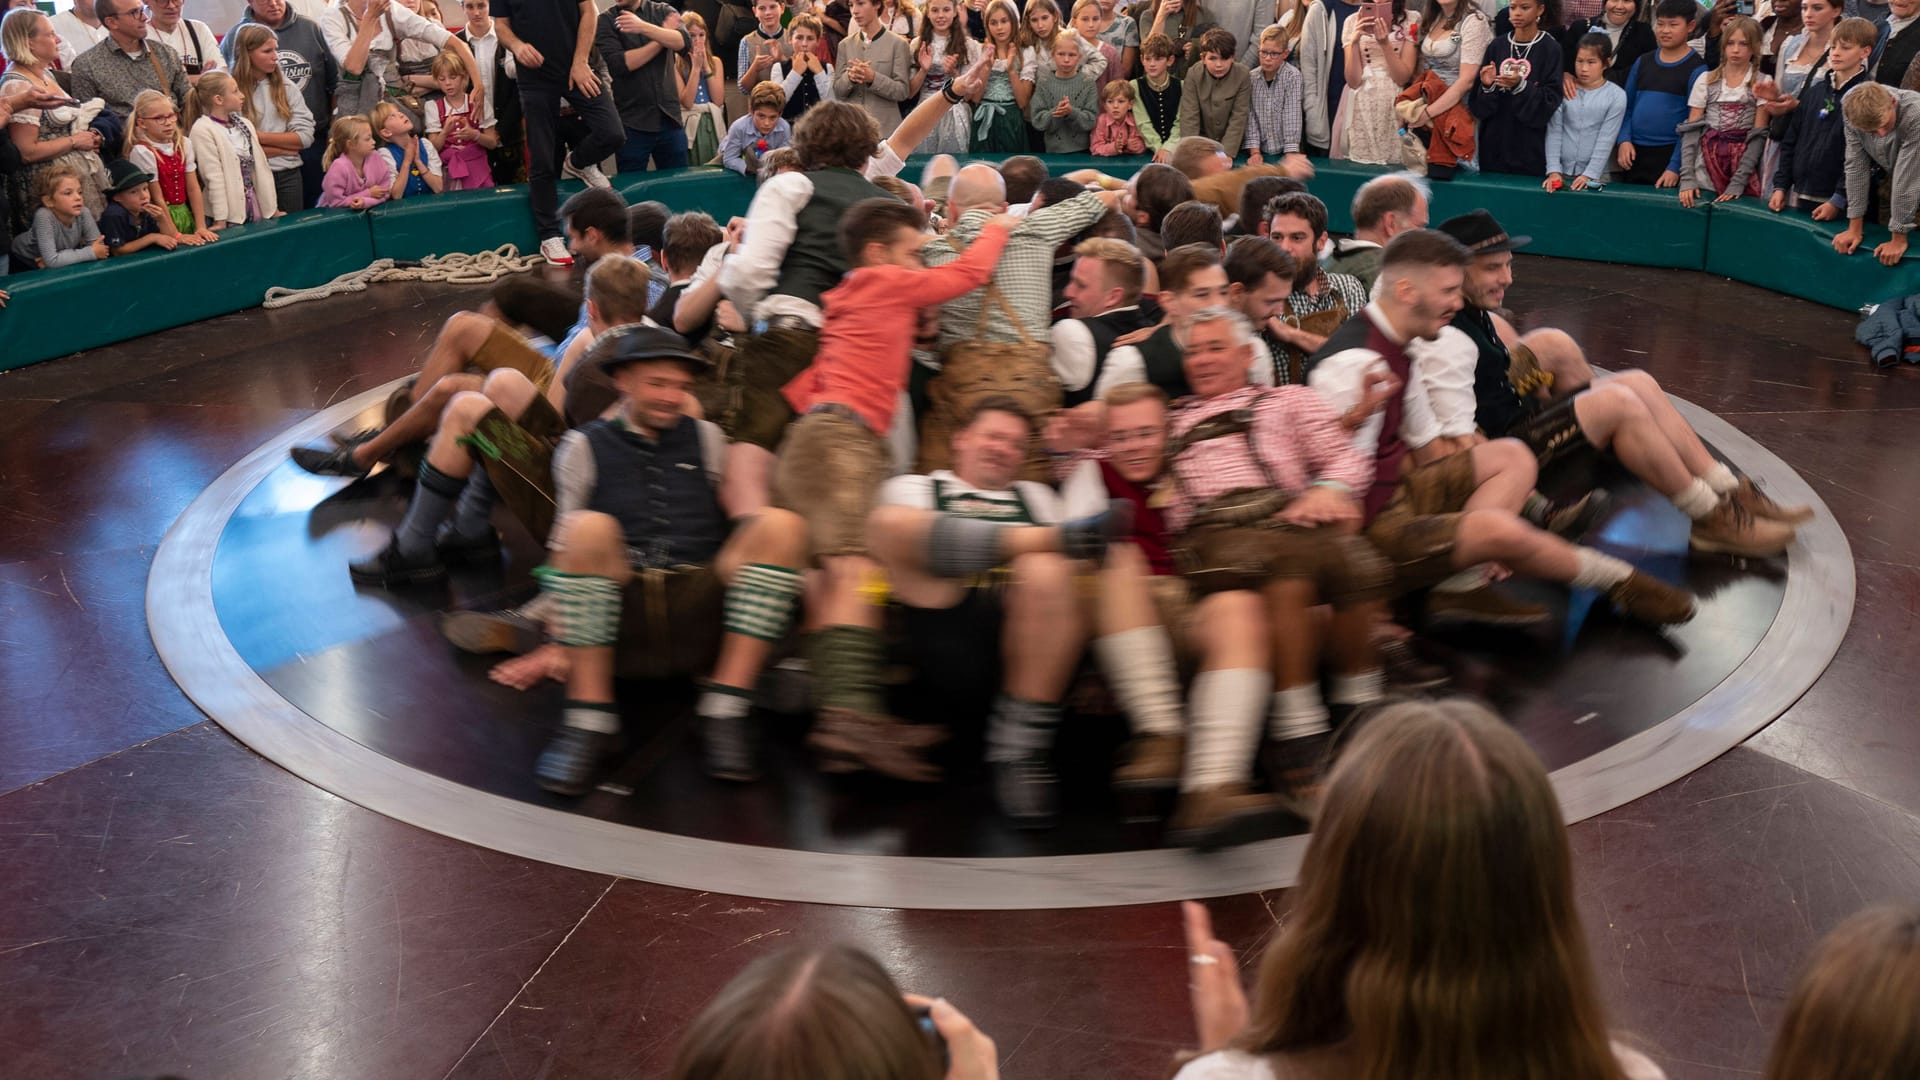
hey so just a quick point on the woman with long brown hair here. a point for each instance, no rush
(1855, 1014)
(1433, 933)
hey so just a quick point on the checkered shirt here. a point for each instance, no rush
(1273, 126)
(1024, 275)
(1296, 435)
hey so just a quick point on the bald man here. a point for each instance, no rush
(1383, 208)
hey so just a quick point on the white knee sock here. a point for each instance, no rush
(1139, 667)
(1226, 727)
(1720, 478)
(1697, 499)
(1297, 711)
(1360, 688)
(1598, 570)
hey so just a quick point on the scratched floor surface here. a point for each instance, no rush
(171, 903)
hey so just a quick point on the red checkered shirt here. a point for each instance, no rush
(1296, 434)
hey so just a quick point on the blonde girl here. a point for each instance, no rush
(358, 174)
(999, 119)
(462, 144)
(1727, 161)
(233, 163)
(1040, 25)
(703, 92)
(156, 144)
(416, 165)
(280, 118)
(1097, 58)
(900, 16)
(940, 51)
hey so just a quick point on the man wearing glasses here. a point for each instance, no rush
(117, 69)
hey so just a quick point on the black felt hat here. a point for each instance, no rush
(622, 345)
(1482, 234)
(124, 175)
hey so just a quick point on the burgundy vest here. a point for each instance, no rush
(1390, 452)
(1149, 527)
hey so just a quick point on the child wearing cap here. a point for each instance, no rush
(132, 221)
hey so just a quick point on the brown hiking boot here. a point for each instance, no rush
(1733, 529)
(847, 740)
(1405, 670)
(1225, 816)
(1749, 495)
(1651, 600)
(1153, 763)
(1481, 607)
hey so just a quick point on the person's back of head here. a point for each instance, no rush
(807, 1013)
(687, 239)
(1260, 191)
(1868, 107)
(1056, 189)
(1855, 1014)
(1023, 174)
(1192, 222)
(533, 302)
(619, 289)
(835, 134)
(1157, 189)
(1196, 156)
(1434, 931)
(647, 224)
(1394, 193)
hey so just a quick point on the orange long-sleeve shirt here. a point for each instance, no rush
(866, 341)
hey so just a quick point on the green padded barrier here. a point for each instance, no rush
(457, 221)
(57, 312)
(722, 193)
(1793, 254)
(1639, 226)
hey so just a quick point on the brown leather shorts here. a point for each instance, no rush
(1343, 568)
(1416, 530)
(518, 457)
(670, 623)
(829, 472)
(761, 366)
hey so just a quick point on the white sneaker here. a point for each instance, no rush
(554, 250)
(589, 175)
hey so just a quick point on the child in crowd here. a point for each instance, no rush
(1658, 86)
(761, 130)
(1581, 135)
(1813, 151)
(760, 49)
(1378, 59)
(64, 232)
(702, 92)
(233, 164)
(1042, 24)
(1725, 134)
(358, 175)
(942, 50)
(1156, 108)
(1517, 92)
(277, 111)
(1065, 103)
(1273, 118)
(1116, 133)
(451, 132)
(1122, 32)
(999, 117)
(157, 146)
(1883, 131)
(1218, 95)
(1102, 60)
(133, 221)
(416, 165)
(810, 80)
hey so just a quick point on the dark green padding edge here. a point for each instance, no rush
(54, 313)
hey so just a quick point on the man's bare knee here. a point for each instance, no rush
(587, 538)
(511, 390)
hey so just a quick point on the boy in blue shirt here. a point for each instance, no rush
(1648, 151)
(761, 131)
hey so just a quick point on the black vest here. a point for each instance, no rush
(658, 491)
(1898, 55)
(1497, 406)
(805, 96)
(1166, 364)
(1105, 329)
(814, 262)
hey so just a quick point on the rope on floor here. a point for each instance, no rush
(481, 268)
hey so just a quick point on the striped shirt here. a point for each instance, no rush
(1024, 275)
(1296, 436)
(1273, 126)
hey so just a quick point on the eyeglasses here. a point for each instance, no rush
(143, 13)
(1277, 54)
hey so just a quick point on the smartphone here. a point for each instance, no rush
(1381, 11)
(923, 1019)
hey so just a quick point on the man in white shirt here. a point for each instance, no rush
(194, 40)
(1435, 507)
(1191, 278)
(1103, 294)
(981, 560)
(79, 31)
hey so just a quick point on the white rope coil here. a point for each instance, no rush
(480, 268)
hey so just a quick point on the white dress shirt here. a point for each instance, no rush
(1342, 377)
(1445, 366)
(75, 36)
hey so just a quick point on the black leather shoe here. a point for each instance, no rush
(457, 550)
(729, 742)
(568, 764)
(1027, 791)
(335, 462)
(393, 567)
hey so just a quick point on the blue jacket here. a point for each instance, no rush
(1888, 331)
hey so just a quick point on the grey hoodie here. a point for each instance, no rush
(304, 60)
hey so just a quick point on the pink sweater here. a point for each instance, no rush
(344, 183)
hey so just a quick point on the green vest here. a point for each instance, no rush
(814, 262)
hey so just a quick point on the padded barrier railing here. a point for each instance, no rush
(57, 312)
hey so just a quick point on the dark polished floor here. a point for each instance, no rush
(170, 902)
